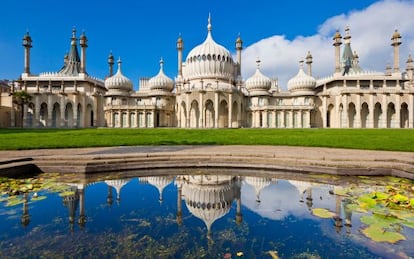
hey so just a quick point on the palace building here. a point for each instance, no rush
(209, 92)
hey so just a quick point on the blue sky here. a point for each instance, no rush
(142, 31)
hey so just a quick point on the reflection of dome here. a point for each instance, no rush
(160, 182)
(302, 82)
(209, 59)
(161, 81)
(118, 82)
(209, 197)
(117, 184)
(258, 82)
(259, 183)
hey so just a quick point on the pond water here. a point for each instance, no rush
(206, 214)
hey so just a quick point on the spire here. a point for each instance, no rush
(111, 64)
(161, 64)
(209, 23)
(73, 65)
(258, 63)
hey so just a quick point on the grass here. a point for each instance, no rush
(370, 139)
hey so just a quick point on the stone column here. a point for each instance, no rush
(411, 111)
(324, 112)
(216, 108)
(128, 122)
(398, 112)
(371, 117)
(24, 122)
(49, 111)
(274, 119)
(62, 112)
(266, 119)
(282, 119)
(357, 121)
(36, 122)
(202, 114)
(346, 112)
(230, 111)
(300, 124)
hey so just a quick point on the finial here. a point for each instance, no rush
(209, 22)
(347, 34)
(73, 32)
(161, 63)
(301, 64)
(119, 64)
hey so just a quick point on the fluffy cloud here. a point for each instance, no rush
(371, 31)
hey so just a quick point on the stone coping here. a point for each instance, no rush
(270, 158)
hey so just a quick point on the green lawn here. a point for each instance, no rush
(373, 139)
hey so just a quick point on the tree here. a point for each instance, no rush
(20, 98)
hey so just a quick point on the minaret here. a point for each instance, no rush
(179, 205)
(410, 67)
(27, 44)
(239, 47)
(83, 42)
(25, 219)
(309, 61)
(109, 199)
(111, 63)
(82, 216)
(180, 55)
(337, 43)
(396, 42)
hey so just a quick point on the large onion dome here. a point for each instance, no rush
(302, 83)
(209, 199)
(161, 81)
(209, 60)
(118, 82)
(258, 82)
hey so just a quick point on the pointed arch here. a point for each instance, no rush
(30, 115)
(351, 115)
(329, 116)
(69, 115)
(404, 115)
(183, 115)
(89, 116)
(56, 115)
(391, 116)
(194, 114)
(209, 114)
(377, 115)
(223, 120)
(43, 116)
(364, 115)
(80, 121)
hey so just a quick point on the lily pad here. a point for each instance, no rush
(14, 200)
(378, 234)
(322, 213)
(38, 198)
(66, 193)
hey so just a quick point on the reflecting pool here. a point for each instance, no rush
(206, 214)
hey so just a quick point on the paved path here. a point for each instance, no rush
(286, 156)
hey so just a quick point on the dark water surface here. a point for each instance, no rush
(198, 214)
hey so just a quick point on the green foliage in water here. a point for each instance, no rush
(373, 139)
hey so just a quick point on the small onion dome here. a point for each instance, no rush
(118, 81)
(161, 81)
(258, 82)
(337, 36)
(396, 35)
(301, 82)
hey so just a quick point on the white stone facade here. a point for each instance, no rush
(208, 92)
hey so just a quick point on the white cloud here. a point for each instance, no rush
(371, 31)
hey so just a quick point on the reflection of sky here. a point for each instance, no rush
(281, 199)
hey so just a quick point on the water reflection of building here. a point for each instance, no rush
(117, 184)
(209, 197)
(259, 183)
(160, 182)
